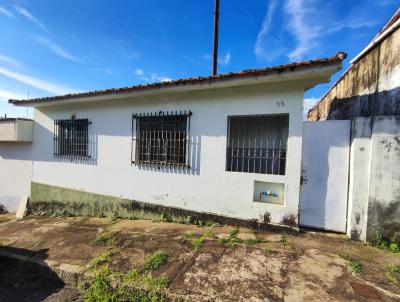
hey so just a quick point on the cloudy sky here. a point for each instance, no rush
(56, 47)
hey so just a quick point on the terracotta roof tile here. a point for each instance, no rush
(340, 56)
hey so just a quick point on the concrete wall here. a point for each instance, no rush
(371, 86)
(206, 186)
(15, 173)
(374, 193)
(7, 130)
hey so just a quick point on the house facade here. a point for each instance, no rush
(228, 145)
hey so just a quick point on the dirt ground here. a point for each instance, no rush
(256, 266)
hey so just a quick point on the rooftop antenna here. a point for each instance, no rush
(215, 48)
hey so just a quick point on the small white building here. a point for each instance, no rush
(229, 145)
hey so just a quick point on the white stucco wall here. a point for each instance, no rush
(205, 187)
(15, 173)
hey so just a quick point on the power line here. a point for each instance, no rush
(254, 22)
(260, 26)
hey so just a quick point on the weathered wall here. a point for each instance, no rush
(384, 187)
(206, 186)
(370, 87)
(360, 163)
(52, 200)
(15, 173)
(374, 192)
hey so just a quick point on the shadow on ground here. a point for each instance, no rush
(26, 281)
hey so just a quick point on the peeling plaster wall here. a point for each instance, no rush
(374, 191)
(370, 87)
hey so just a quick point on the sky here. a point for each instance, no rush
(57, 47)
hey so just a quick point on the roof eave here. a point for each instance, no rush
(309, 75)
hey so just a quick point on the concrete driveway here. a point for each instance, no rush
(215, 263)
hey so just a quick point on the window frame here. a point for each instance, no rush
(175, 154)
(228, 168)
(71, 138)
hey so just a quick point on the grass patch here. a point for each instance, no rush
(392, 272)
(103, 258)
(108, 286)
(353, 265)
(104, 238)
(155, 260)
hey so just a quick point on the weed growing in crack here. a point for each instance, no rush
(353, 265)
(233, 233)
(155, 260)
(197, 242)
(104, 238)
(269, 252)
(232, 240)
(252, 241)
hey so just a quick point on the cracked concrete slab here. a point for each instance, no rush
(278, 267)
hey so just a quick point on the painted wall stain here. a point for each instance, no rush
(383, 220)
(52, 200)
(267, 217)
(289, 219)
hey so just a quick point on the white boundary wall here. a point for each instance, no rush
(15, 173)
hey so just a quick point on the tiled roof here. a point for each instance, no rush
(339, 57)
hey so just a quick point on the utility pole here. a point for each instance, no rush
(215, 49)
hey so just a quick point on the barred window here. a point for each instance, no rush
(257, 144)
(71, 138)
(162, 138)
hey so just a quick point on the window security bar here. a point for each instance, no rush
(257, 144)
(71, 138)
(162, 138)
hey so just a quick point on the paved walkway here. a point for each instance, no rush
(247, 266)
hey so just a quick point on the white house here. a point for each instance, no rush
(229, 145)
